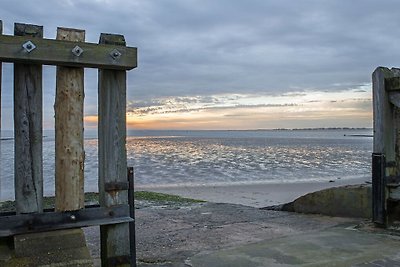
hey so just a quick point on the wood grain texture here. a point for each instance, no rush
(112, 153)
(383, 115)
(392, 84)
(394, 97)
(1, 72)
(112, 134)
(59, 52)
(69, 169)
(28, 163)
(385, 84)
(396, 126)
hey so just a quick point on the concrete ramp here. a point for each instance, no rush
(353, 201)
(345, 247)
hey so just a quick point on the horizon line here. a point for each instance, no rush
(257, 129)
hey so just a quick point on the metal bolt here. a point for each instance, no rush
(115, 54)
(29, 46)
(77, 51)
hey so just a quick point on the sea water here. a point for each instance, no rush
(179, 158)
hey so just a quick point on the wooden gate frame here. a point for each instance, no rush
(29, 51)
(386, 146)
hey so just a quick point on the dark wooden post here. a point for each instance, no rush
(115, 243)
(1, 70)
(68, 107)
(28, 127)
(386, 147)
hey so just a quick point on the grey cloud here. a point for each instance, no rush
(201, 48)
(171, 110)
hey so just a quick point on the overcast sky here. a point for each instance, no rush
(226, 64)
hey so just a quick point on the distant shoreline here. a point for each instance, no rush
(228, 130)
(314, 129)
(359, 135)
(8, 135)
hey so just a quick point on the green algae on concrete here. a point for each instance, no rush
(161, 197)
(93, 198)
(48, 202)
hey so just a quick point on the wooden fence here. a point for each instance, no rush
(28, 50)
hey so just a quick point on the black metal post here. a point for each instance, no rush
(132, 235)
(378, 190)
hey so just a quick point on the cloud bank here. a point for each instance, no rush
(194, 49)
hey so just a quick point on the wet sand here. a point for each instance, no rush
(254, 195)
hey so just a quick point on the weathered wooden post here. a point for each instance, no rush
(28, 165)
(113, 186)
(68, 107)
(386, 147)
(1, 71)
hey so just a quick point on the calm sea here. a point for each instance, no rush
(170, 158)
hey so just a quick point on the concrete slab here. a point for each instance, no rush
(170, 235)
(216, 234)
(42, 243)
(55, 248)
(336, 246)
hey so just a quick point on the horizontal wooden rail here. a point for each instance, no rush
(49, 221)
(30, 50)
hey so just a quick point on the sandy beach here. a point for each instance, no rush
(254, 195)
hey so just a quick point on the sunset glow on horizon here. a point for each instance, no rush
(351, 108)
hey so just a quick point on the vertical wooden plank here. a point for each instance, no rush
(383, 115)
(395, 123)
(1, 71)
(28, 129)
(386, 145)
(68, 107)
(383, 144)
(115, 243)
